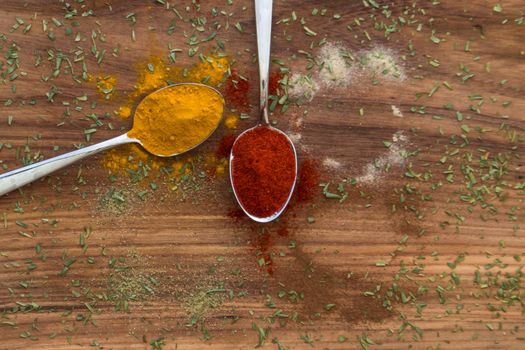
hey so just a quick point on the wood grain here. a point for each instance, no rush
(193, 245)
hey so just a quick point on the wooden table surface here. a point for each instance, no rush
(428, 256)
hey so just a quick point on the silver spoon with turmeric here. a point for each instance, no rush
(165, 123)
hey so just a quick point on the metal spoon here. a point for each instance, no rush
(263, 23)
(19, 177)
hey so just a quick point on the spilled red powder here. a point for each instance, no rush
(283, 231)
(264, 243)
(225, 146)
(273, 83)
(237, 90)
(236, 214)
(263, 239)
(307, 181)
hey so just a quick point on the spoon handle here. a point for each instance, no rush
(263, 22)
(19, 177)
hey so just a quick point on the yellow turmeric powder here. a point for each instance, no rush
(106, 86)
(155, 74)
(153, 77)
(231, 121)
(132, 158)
(209, 71)
(152, 74)
(176, 119)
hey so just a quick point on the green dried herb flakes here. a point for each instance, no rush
(130, 281)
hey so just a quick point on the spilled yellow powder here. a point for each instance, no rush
(231, 121)
(155, 74)
(210, 71)
(124, 112)
(132, 160)
(152, 76)
(106, 85)
(221, 167)
(124, 157)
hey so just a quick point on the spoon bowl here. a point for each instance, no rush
(19, 177)
(160, 128)
(275, 215)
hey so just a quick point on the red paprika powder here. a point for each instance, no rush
(273, 82)
(307, 181)
(225, 146)
(237, 89)
(263, 169)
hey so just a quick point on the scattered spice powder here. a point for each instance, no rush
(221, 166)
(130, 159)
(302, 88)
(382, 63)
(152, 75)
(396, 112)
(225, 146)
(394, 157)
(132, 280)
(283, 231)
(231, 121)
(106, 86)
(273, 83)
(237, 89)
(200, 302)
(155, 73)
(340, 69)
(331, 163)
(307, 181)
(209, 71)
(236, 214)
(337, 68)
(263, 169)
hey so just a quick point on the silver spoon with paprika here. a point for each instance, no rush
(263, 159)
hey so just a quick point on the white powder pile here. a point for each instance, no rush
(382, 63)
(331, 163)
(295, 137)
(337, 69)
(298, 123)
(302, 87)
(396, 111)
(394, 157)
(294, 130)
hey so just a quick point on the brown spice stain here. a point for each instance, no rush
(322, 286)
(309, 286)
(403, 219)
